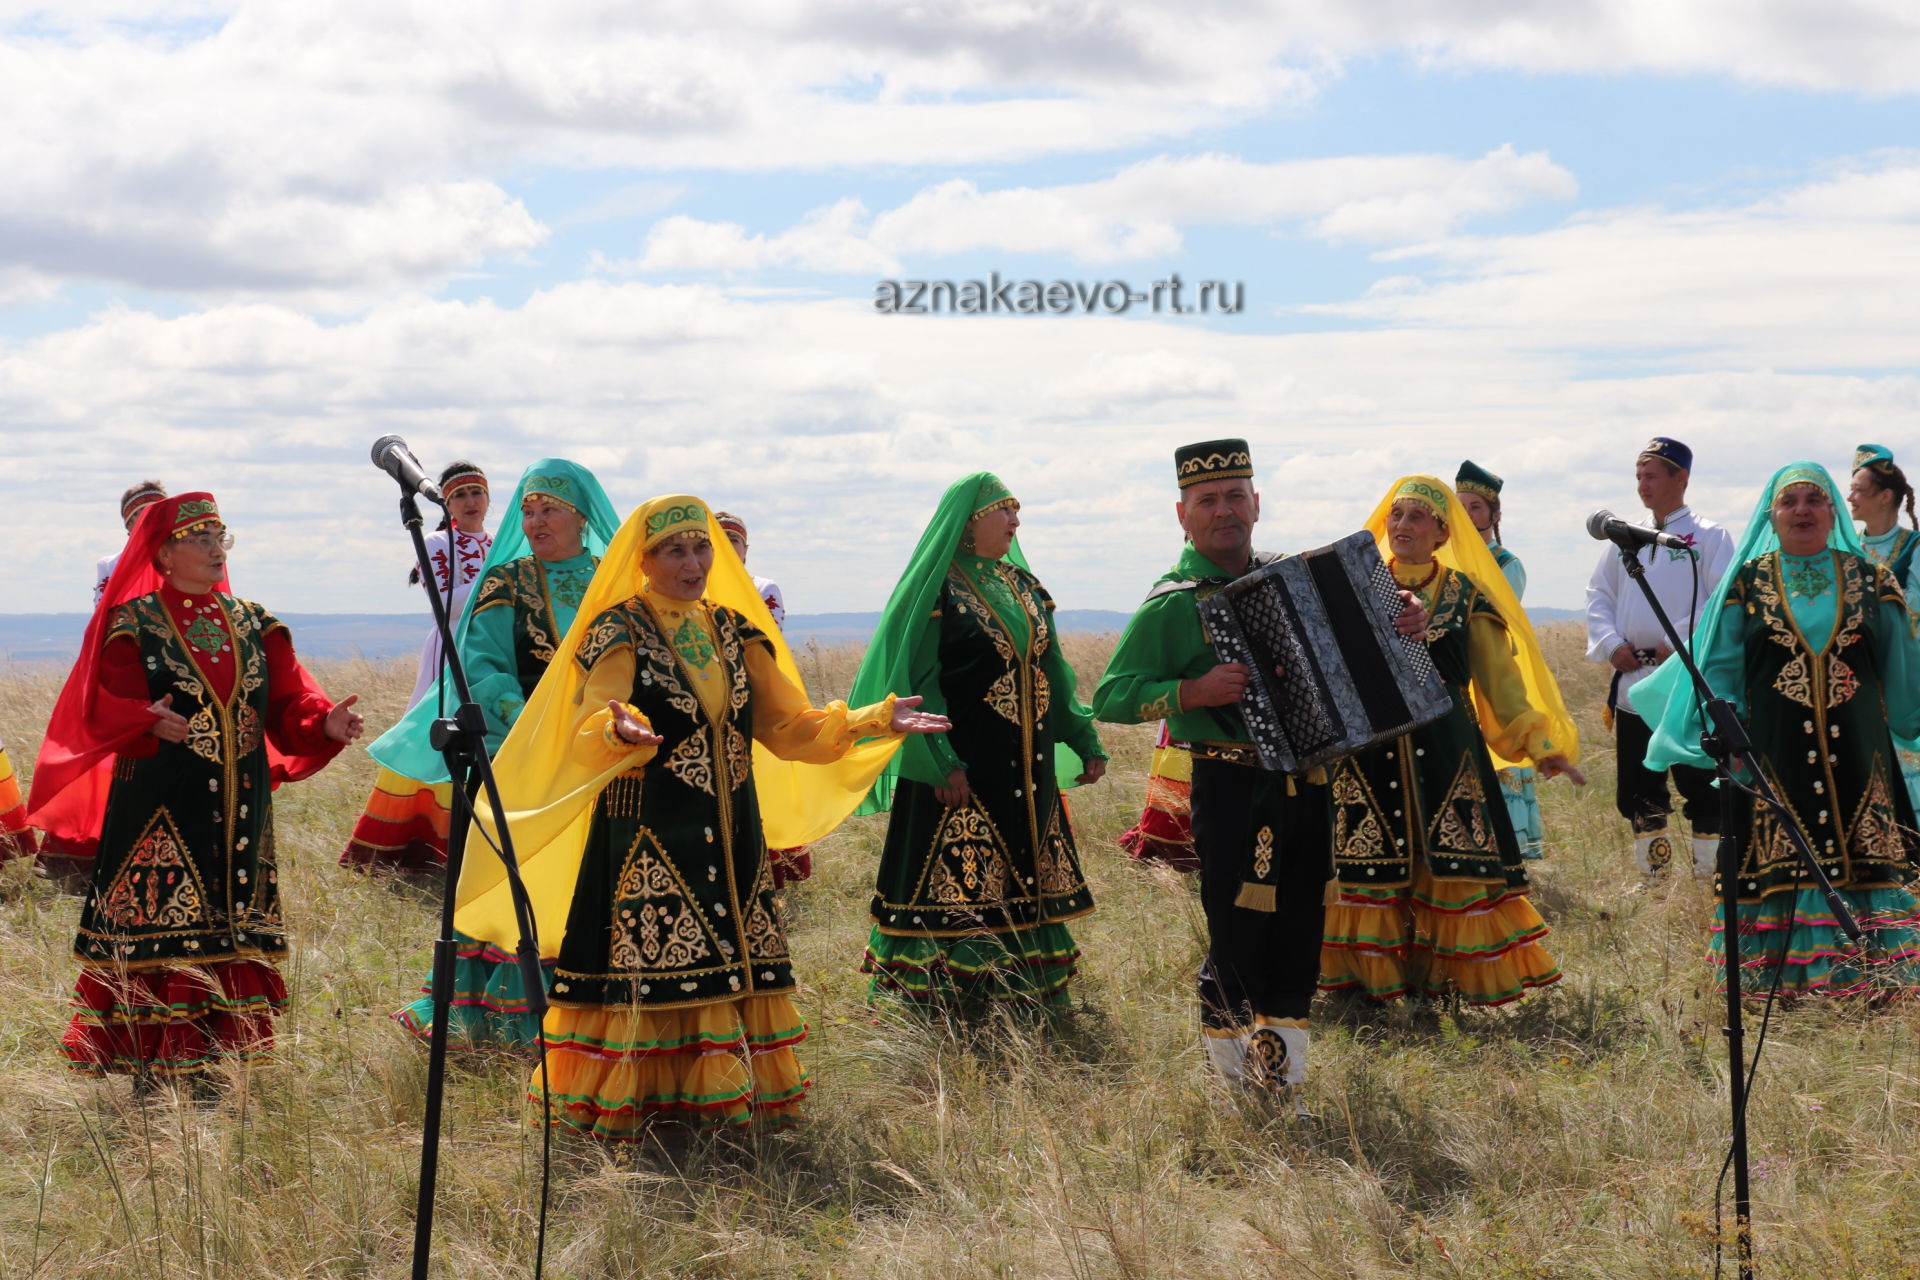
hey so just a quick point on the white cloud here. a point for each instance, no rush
(359, 146)
(830, 239)
(833, 427)
(1826, 275)
(1137, 213)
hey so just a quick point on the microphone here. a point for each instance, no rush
(1608, 527)
(391, 455)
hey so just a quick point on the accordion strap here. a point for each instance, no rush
(1259, 560)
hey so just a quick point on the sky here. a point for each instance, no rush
(241, 241)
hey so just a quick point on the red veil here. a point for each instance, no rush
(74, 770)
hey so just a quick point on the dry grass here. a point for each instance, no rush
(1575, 1134)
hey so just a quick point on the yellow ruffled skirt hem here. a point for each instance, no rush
(1479, 940)
(614, 1071)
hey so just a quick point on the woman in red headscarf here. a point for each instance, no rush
(185, 708)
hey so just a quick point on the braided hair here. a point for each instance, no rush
(1887, 477)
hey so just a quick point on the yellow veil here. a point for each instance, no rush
(549, 798)
(1466, 551)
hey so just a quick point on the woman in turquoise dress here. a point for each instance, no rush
(980, 873)
(1479, 492)
(1874, 498)
(1812, 644)
(535, 575)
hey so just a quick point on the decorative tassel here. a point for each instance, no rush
(1257, 897)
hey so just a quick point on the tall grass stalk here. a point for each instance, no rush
(1574, 1134)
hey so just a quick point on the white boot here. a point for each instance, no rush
(1277, 1060)
(1227, 1050)
(1653, 854)
(1706, 856)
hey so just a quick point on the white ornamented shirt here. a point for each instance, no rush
(457, 558)
(1617, 610)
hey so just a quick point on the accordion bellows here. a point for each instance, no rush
(1331, 677)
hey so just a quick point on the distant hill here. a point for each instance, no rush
(54, 637)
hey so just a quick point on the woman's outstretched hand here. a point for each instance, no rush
(907, 720)
(632, 728)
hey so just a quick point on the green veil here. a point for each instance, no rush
(1665, 699)
(405, 748)
(908, 618)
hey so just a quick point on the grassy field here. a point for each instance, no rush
(1575, 1134)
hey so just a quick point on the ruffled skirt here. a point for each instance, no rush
(612, 1071)
(1031, 966)
(404, 826)
(175, 1021)
(1435, 936)
(489, 1009)
(1819, 959)
(1165, 830)
(1523, 809)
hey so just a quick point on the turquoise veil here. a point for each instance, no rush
(405, 748)
(1665, 699)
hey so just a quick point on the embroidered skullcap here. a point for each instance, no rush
(1668, 450)
(1212, 460)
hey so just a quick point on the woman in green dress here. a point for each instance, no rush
(1812, 644)
(980, 873)
(529, 589)
(1432, 890)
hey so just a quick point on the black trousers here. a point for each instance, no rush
(1259, 962)
(1640, 793)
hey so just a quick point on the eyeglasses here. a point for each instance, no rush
(208, 540)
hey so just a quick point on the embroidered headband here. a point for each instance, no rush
(134, 503)
(673, 517)
(556, 491)
(459, 479)
(1426, 491)
(1793, 476)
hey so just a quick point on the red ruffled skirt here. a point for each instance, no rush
(172, 1021)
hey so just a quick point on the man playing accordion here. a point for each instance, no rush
(1261, 837)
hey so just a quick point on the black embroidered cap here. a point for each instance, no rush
(1212, 460)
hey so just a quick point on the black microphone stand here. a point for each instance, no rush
(462, 743)
(1725, 739)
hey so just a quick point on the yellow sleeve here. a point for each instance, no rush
(793, 728)
(1511, 725)
(595, 744)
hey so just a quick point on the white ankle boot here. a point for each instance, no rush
(1227, 1050)
(1653, 854)
(1277, 1060)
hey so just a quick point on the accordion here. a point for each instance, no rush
(1331, 677)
